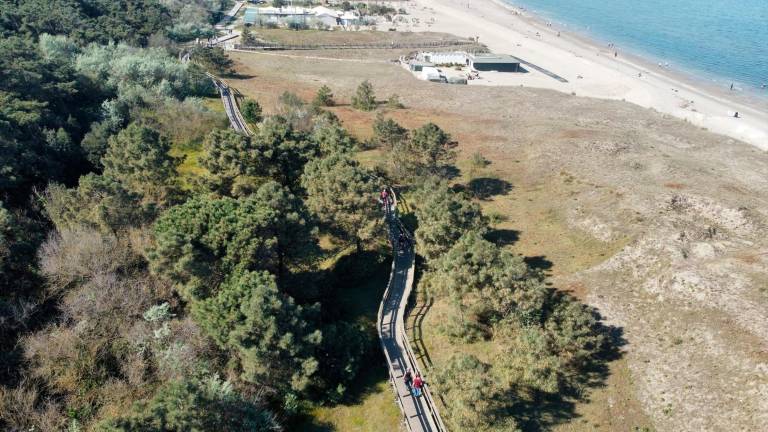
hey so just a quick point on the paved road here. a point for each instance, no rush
(420, 413)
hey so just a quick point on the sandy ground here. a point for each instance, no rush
(590, 70)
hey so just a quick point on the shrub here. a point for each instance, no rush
(188, 405)
(251, 111)
(364, 99)
(387, 133)
(324, 97)
(298, 25)
(393, 102)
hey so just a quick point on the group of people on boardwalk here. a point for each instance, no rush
(413, 384)
(386, 200)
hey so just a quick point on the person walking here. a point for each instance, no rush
(408, 379)
(385, 198)
(418, 384)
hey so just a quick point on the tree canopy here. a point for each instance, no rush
(201, 241)
(388, 134)
(428, 152)
(271, 335)
(138, 157)
(343, 196)
(180, 406)
(444, 216)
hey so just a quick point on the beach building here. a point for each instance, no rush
(329, 17)
(493, 62)
(418, 66)
(278, 16)
(479, 62)
(332, 17)
(443, 58)
(287, 15)
(431, 73)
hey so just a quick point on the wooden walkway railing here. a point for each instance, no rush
(230, 106)
(420, 413)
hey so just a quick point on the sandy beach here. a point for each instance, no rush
(591, 70)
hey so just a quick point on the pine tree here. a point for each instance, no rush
(444, 216)
(342, 195)
(364, 99)
(251, 111)
(203, 240)
(387, 133)
(428, 152)
(189, 405)
(271, 334)
(138, 157)
(324, 97)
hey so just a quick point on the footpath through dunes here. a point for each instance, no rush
(420, 413)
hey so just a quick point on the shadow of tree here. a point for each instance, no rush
(238, 76)
(485, 188)
(503, 237)
(539, 262)
(307, 423)
(449, 172)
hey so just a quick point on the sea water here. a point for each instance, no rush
(723, 41)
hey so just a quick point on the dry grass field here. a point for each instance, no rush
(658, 224)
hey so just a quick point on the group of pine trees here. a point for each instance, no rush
(136, 298)
(541, 340)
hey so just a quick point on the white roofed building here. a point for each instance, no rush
(286, 15)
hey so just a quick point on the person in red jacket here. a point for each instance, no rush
(418, 384)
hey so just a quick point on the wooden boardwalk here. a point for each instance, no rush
(236, 119)
(419, 413)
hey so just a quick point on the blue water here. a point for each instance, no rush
(723, 41)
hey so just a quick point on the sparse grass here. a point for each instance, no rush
(214, 104)
(189, 168)
(376, 412)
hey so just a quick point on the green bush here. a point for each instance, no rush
(364, 99)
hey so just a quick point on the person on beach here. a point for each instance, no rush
(408, 379)
(736, 114)
(418, 384)
(731, 86)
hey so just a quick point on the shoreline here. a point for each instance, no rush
(754, 98)
(591, 68)
(744, 93)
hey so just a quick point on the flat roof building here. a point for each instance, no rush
(417, 66)
(493, 62)
(285, 15)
